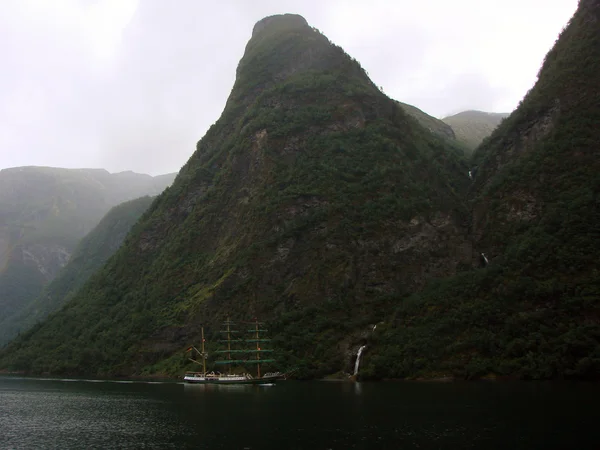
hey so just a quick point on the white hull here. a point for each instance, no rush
(200, 378)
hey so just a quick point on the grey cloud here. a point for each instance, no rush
(143, 105)
(459, 93)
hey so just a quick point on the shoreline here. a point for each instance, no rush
(157, 378)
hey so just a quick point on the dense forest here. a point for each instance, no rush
(534, 311)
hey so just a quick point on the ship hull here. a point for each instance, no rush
(193, 379)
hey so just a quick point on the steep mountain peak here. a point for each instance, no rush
(313, 192)
(533, 309)
(280, 22)
(281, 47)
(566, 86)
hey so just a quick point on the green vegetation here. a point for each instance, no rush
(472, 127)
(429, 122)
(308, 199)
(89, 256)
(44, 212)
(317, 203)
(534, 312)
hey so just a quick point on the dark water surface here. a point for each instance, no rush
(74, 414)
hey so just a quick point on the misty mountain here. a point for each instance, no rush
(87, 258)
(472, 127)
(314, 201)
(317, 203)
(44, 212)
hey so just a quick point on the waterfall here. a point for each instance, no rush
(485, 259)
(374, 327)
(470, 175)
(357, 363)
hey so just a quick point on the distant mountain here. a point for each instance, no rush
(428, 122)
(44, 212)
(89, 256)
(472, 127)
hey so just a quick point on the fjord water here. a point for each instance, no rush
(69, 414)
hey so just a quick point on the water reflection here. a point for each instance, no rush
(196, 388)
(294, 415)
(357, 388)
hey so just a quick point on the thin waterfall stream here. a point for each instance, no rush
(485, 259)
(357, 363)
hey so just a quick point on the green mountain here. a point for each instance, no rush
(534, 310)
(429, 122)
(44, 212)
(317, 203)
(314, 202)
(472, 127)
(89, 256)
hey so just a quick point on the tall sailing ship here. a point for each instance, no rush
(256, 358)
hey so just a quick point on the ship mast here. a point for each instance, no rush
(255, 339)
(257, 348)
(228, 346)
(203, 354)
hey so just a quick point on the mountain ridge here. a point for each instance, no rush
(308, 189)
(532, 311)
(472, 127)
(429, 122)
(44, 212)
(90, 254)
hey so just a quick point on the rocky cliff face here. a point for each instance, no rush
(541, 157)
(44, 212)
(87, 258)
(532, 310)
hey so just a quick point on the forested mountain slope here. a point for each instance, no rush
(472, 127)
(88, 257)
(44, 212)
(534, 311)
(429, 122)
(314, 202)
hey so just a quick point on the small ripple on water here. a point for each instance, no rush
(61, 414)
(58, 419)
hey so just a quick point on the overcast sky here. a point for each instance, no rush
(133, 84)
